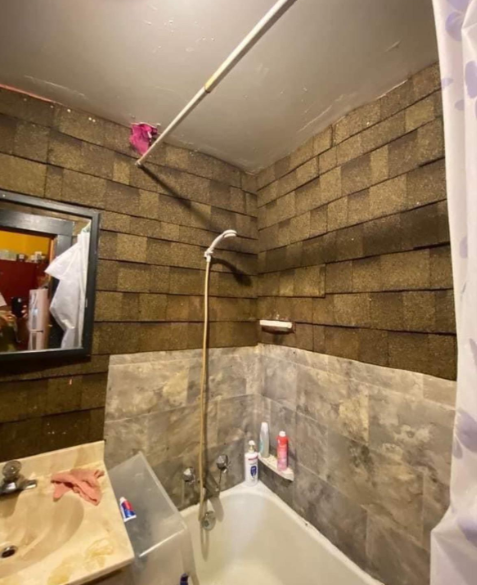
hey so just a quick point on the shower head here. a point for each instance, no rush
(210, 250)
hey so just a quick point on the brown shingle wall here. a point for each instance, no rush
(154, 229)
(364, 205)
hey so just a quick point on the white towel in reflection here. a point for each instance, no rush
(68, 303)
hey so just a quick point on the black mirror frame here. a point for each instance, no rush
(94, 217)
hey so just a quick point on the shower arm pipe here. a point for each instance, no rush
(253, 36)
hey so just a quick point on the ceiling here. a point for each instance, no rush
(142, 60)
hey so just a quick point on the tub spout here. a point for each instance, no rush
(212, 488)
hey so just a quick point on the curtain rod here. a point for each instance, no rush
(241, 50)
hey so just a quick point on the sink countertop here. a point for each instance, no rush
(86, 541)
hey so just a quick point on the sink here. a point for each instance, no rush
(36, 526)
(68, 542)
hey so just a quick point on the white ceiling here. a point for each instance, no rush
(142, 60)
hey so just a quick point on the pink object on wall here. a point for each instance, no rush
(142, 136)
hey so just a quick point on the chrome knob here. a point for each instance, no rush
(222, 462)
(11, 470)
(188, 475)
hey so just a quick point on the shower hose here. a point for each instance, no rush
(203, 387)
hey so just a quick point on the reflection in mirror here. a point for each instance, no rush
(43, 277)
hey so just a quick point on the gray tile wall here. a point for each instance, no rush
(371, 448)
(370, 445)
(153, 405)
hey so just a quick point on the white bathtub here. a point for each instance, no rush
(259, 540)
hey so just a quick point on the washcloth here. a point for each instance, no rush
(142, 135)
(83, 482)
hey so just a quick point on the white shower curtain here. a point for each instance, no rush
(454, 540)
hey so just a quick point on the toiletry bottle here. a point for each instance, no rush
(264, 440)
(282, 451)
(251, 465)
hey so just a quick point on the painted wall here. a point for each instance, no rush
(23, 243)
(354, 240)
(154, 230)
(319, 61)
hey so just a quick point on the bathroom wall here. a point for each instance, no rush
(153, 406)
(353, 236)
(370, 445)
(371, 449)
(354, 248)
(154, 229)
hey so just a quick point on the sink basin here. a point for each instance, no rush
(36, 526)
(68, 542)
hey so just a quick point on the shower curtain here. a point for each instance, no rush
(454, 540)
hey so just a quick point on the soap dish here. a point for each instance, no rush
(272, 463)
(276, 326)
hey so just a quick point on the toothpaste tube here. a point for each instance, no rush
(127, 511)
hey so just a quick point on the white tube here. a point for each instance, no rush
(235, 56)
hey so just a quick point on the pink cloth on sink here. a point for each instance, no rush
(83, 482)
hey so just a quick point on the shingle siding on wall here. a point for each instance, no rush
(154, 229)
(353, 246)
(368, 207)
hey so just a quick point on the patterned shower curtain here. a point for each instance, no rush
(454, 540)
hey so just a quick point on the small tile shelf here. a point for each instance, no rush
(272, 463)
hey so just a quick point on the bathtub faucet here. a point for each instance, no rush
(188, 475)
(222, 463)
(212, 487)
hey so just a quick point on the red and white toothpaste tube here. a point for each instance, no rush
(127, 511)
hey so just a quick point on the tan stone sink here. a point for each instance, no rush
(68, 542)
(36, 526)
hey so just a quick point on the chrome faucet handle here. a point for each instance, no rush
(11, 471)
(13, 480)
(222, 463)
(188, 475)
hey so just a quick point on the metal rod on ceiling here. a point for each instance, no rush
(253, 36)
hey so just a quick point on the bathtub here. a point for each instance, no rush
(259, 540)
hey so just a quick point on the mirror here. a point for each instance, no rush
(48, 257)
